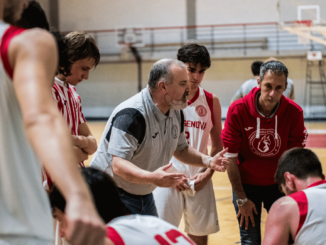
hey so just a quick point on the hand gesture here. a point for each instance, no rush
(246, 213)
(219, 162)
(84, 226)
(162, 178)
(201, 179)
(79, 141)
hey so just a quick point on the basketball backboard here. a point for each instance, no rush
(305, 18)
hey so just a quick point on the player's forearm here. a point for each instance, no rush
(57, 154)
(130, 172)
(192, 157)
(91, 145)
(235, 179)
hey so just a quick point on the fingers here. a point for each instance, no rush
(247, 222)
(176, 176)
(221, 153)
(167, 166)
(252, 220)
(241, 220)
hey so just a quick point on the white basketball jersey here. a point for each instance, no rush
(24, 206)
(144, 230)
(198, 122)
(312, 206)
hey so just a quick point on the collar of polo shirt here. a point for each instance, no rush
(158, 114)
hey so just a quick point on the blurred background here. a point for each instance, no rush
(235, 32)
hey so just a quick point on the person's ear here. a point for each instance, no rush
(290, 181)
(258, 83)
(161, 87)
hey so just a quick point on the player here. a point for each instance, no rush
(32, 131)
(84, 55)
(121, 229)
(300, 216)
(202, 118)
(248, 85)
(258, 129)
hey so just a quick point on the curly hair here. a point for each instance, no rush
(65, 63)
(194, 54)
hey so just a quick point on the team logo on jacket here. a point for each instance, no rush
(201, 110)
(174, 131)
(266, 145)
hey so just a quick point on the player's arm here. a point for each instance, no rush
(282, 221)
(85, 140)
(206, 174)
(33, 56)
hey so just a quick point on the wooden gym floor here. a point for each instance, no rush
(229, 232)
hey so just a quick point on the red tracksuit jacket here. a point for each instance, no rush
(261, 141)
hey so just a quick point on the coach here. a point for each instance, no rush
(258, 129)
(142, 135)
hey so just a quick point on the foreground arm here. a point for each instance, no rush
(282, 221)
(33, 56)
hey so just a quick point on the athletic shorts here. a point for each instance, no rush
(12, 240)
(200, 215)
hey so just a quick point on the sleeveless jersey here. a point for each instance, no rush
(145, 230)
(198, 122)
(24, 206)
(312, 206)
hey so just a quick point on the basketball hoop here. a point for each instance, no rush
(129, 36)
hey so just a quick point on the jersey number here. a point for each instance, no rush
(187, 136)
(172, 235)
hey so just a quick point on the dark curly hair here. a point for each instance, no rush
(65, 64)
(194, 54)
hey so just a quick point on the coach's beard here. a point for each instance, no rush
(177, 104)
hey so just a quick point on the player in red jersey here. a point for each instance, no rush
(300, 217)
(32, 131)
(121, 229)
(84, 55)
(258, 129)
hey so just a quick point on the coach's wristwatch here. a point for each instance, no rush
(242, 202)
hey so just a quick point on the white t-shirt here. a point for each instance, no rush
(24, 206)
(144, 230)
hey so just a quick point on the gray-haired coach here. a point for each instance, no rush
(144, 132)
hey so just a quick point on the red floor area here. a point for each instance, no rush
(316, 141)
(313, 141)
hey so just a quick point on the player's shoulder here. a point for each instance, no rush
(35, 37)
(284, 206)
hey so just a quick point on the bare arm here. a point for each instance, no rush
(133, 174)
(85, 140)
(33, 56)
(235, 179)
(282, 221)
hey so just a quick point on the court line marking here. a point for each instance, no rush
(221, 199)
(222, 188)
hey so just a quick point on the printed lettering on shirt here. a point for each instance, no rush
(249, 128)
(174, 131)
(173, 236)
(195, 124)
(305, 137)
(266, 145)
(201, 111)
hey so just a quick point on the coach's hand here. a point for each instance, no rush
(163, 179)
(79, 141)
(80, 154)
(219, 161)
(182, 185)
(84, 226)
(246, 213)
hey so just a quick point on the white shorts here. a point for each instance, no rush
(199, 211)
(12, 240)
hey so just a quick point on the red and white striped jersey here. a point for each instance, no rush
(145, 230)
(69, 104)
(312, 222)
(24, 206)
(198, 122)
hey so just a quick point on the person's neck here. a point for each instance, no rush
(303, 184)
(192, 92)
(160, 102)
(63, 79)
(266, 111)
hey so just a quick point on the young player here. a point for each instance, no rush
(32, 131)
(300, 217)
(202, 118)
(84, 55)
(121, 229)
